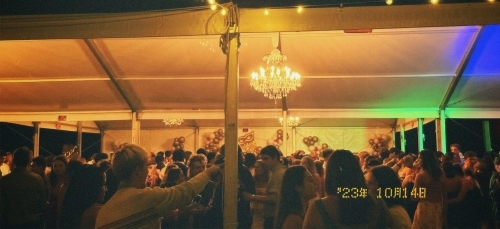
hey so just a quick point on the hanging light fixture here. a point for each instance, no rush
(291, 121)
(173, 122)
(275, 80)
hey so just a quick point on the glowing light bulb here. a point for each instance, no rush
(223, 11)
(491, 0)
(211, 2)
(434, 1)
(300, 9)
(388, 2)
(266, 12)
(213, 7)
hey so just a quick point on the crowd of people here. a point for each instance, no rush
(133, 188)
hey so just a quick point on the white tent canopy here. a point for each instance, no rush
(415, 62)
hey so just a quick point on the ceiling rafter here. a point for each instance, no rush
(109, 72)
(461, 68)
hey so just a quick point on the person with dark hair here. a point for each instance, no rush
(392, 157)
(458, 157)
(470, 159)
(340, 209)
(270, 156)
(384, 183)
(326, 154)
(249, 160)
(297, 189)
(38, 166)
(100, 156)
(179, 158)
(58, 179)
(83, 198)
(201, 151)
(429, 191)
(246, 188)
(23, 197)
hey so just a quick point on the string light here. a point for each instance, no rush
(491, 0)
(388, 2)
(300, 9)
(223, 11)
(434, 1)
(266, 12)
(211, 2)
(213, 7)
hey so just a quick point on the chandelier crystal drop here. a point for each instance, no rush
(291, 121)
(275, 80)
(173, 122)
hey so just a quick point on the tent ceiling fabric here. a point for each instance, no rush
(360, 74)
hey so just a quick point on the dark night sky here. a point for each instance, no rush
(27, 7)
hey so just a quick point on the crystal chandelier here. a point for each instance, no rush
(173, 122)
(276, 79)
(291, 121)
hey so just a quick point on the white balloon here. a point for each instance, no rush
(311, 148)
(316, 144)
(375, 140)
(280, 141)
(211, 136)
(373, 136)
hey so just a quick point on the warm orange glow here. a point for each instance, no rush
(388, 2)
(223, 11)
(491, 0)
(213, 7)
(266, 12)
(211, 2)
(434, 1)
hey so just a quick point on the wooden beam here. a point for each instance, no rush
(207, 22)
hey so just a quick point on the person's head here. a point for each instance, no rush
(440, 156)
(22, 157)
(179, 155)
(59, 165)
(260, 171)
(384, 154)
(308, 163)
(104, 165)
(297, 188)
(407, 161)
(430, 164)
(250, 159)
(174, 176)
(159, 159)
(299, 154)
(87, 186)
(270, 156)
(130, 164)
(197, 164)
(455, 148)
(326, 153)
(49, 160)
(343, 171)
(497, 164)
(38, 165)
(393, 152)
(470, 157)
(100, 156)
(387, 181)
(201, 151)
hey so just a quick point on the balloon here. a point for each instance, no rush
(280, 136)
(384, 138)
(216, 141)
(182, 145)
(316, 144)
(310, 138)
(280, 141)
(324, 146)
(182, 139)
(220, 131)
(207, 146)
(211, 144)
(211, 136)
(176, 143)
(373, 136)
(280, 131)
(379, 144)
(270, 141)
(176, 139)
(371, 141)
(315, 139)
(311, 148)
(311, 143)
(375, 140)
(305, 140)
